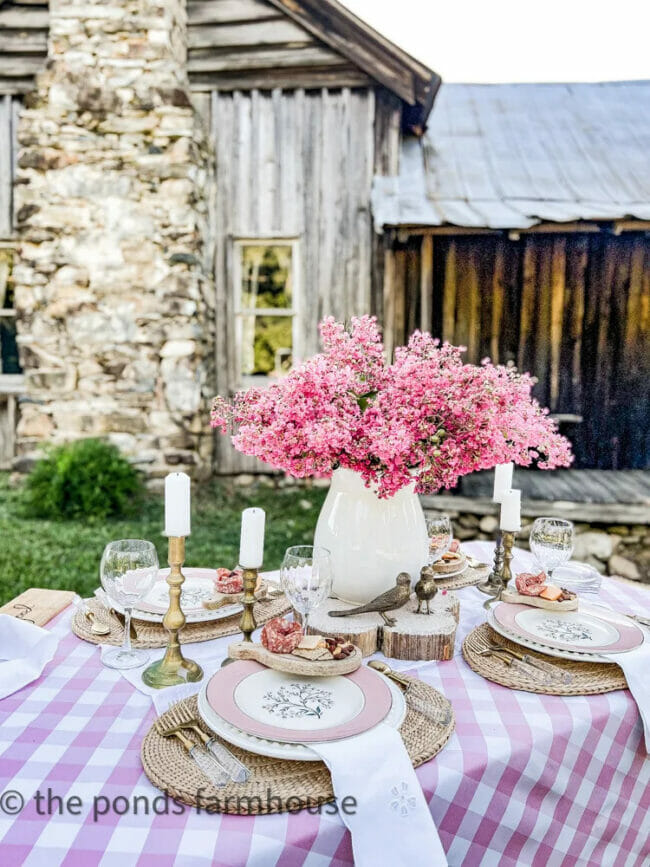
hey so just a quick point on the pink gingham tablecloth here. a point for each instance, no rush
(525, 780)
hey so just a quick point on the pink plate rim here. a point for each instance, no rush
(630, 635)
(220, 692)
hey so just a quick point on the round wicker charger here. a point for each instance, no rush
(276, 785)
(468, 578)
(152, 635)
(589, 678)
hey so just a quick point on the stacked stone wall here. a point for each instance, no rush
(115, 306)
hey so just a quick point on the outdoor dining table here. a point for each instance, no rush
(526, 779)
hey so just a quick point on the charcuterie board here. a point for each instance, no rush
(537, 601)
(291, 664)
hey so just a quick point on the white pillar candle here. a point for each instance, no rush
(511, 511)
(502, 481)
(251, 546)
(177, 504)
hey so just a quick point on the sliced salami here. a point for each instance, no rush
(228, 581)
(530, 585)
(281, 636)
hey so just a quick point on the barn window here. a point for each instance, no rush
(265, 307)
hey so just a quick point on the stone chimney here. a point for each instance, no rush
(114, 299)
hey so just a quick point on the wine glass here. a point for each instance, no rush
(306, 576)
(440, 535)
(551, 541)
(127, 571)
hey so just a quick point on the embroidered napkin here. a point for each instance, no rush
(390, 822)
(25, 650)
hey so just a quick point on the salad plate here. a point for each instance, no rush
(198, 587)
(589, 634)
(281, 749)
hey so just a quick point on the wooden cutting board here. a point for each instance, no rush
(38, 605)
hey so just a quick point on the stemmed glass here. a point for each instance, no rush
(551, 541)
(127, 571)
(306, 576)
(440, 535)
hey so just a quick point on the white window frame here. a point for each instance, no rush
(238, 243)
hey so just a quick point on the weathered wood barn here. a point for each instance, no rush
(162, 249)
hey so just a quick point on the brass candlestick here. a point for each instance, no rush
(508, 545)
(173, 668)
(247, 622)
(493, 584)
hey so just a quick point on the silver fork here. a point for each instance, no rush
(199, 755)
(179, 717)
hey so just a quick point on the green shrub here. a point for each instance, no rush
(86, 479)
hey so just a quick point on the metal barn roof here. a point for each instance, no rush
(507, 156)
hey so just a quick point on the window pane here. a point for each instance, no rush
(267, 344)
(266, 276)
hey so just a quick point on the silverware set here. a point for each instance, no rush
(439, 716)
(215, 760)
(102, 597)
(527, 665)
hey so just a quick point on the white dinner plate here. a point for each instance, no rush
(198, 587)
(282, 749)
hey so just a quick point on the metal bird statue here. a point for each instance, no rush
(425, 589)
(389, 601)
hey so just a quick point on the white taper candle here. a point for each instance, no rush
(177, 504)
(251, 546)
(511, 511)
(502, 481)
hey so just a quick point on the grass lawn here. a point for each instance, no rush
(66, 554)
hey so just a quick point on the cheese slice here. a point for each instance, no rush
(551, 593)
(311, 642)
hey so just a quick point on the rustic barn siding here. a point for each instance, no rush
(294, 164)
(574, 309)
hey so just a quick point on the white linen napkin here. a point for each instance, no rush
(391, 822)
(25, 650)
(636, 665)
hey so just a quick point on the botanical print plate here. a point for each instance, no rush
(198, 586)
(296, 708)
(282, 749)
(587, 631)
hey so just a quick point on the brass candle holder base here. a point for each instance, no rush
(173, 669)
(492, 584)
(247, 623)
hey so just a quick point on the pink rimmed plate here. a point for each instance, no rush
(198, 587)
(589, 630)
(297, 709)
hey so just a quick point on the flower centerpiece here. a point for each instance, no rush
(387, 432)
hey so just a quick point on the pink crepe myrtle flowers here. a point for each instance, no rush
(427, 415)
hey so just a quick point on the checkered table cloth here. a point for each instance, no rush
(525, 780)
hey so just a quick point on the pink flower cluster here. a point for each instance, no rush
(426, 415)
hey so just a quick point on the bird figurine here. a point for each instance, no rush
(389, 601)
(425, 589)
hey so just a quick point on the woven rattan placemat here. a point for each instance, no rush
(468, 578)
(154, 634)
(589, 678)
(276, 785)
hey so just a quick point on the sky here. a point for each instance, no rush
(518, 40)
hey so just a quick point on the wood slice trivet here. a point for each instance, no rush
(276, 785)
(152, 635)
(589, 678)
(469, 578)
(414, 636)
(360, 629)
(419, 636)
